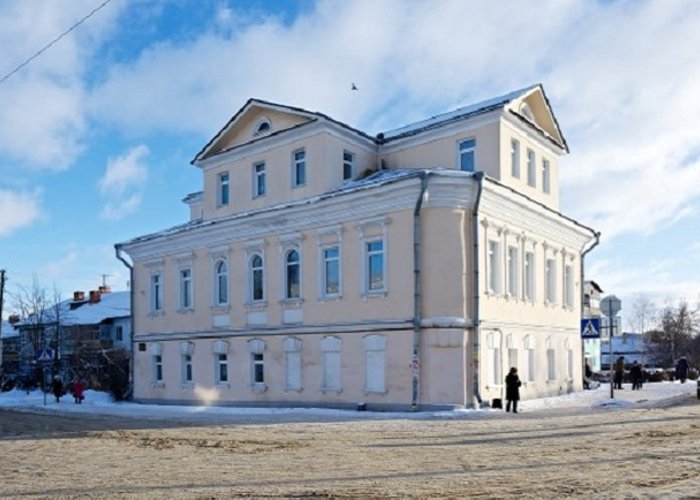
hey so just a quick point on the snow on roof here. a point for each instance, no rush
(111, 305)
(8, 330)
(460, 113)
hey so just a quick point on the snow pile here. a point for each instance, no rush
(100, 403)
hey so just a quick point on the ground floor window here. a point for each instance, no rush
(221, 368)
(375, 376)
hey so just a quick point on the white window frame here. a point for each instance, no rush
(493, 341)
(569, 286)
(466, 149)
(513, 270)
(494, 266)
(529, 348)
(550, 280)
(217, 276)
(299, 173)
(157, 374)
(187, 373)
(331, 364)
(529, 274)
(221, 367)
(368, 256)
(569, 359)
(551, 360)
(259, 179)
(348, 165)
(531, 168)
(546, 175)
(256, 349)
(515, 158)
(286, 292)
(292, 364)
(223, 189)
(252, 270)
(185, 291)
(375, 364)
(325, 260)
(156, 292)
(512, 353)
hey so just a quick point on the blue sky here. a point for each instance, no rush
(98, 131)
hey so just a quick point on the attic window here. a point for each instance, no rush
(526, 112)
(262, 126)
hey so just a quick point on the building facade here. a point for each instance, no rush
(323, 266)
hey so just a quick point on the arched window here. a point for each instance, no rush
(526, 111)
(262, 126)
(221, 283)
(292, 275)
(257, 290)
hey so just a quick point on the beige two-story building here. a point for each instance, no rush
(322, 266)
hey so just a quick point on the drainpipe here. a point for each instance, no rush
(415, 364)
(118, 250)
(583, 256)
(479, 177)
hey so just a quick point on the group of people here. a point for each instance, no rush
(78, 389)
(636, 374)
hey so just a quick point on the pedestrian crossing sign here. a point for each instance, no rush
(44, 356)
(590, 328)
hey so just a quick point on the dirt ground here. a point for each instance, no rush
(647, 453)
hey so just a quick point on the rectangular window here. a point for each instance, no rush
(513, 358)
(467, 150)
(515, 158)
(494, 263)
(156, 293)
(375, 266)
(531, 172)
(374, 371)
(119, 333)
(185, 288)
(348, 165)
(550, 283)
(223, 189)
(545, 175)
(331, 271)
(157, 368)
(570, 364)
(299, 168)
(331, 371)
(292, 370)
(259, 179)
(569, 285)
(513, 270)
(221, 368)
(531, 365)
(258, 371)
(496, 365)
(529, 288)
(551, 368)
(186, 369)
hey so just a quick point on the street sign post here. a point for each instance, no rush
(590, 328)
(44, 357)
(610, 306)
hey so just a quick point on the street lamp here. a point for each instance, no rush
(610, 306)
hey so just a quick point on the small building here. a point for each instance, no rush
(632, 346)
(9, 356)
(325, 266)
(591, 309)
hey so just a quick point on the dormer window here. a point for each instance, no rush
(527, 112)
(262, 126)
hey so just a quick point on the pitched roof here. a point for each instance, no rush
(111, 305)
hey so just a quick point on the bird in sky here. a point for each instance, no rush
(354, 87)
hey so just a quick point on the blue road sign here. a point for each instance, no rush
(44, 356)
(590, 328)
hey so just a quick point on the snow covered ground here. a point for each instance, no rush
(100, 403)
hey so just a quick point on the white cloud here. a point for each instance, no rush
(18, 209)
(123, 183)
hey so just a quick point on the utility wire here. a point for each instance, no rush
(48, 46)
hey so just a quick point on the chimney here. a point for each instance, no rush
(13, 319)
(78, 296)
(94, 296)
(104, 289)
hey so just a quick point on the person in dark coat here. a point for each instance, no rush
(682, 369)
(588, 374)
(636, 375)
(619, 372)
(78, 391)
(512, 389)
(57, 388)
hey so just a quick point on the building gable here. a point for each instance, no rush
(532, 107)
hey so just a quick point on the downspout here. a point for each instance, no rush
(479, 177)
(118, 250)
(583, 304)
(415, 364)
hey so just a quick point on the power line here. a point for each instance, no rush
(48, 46)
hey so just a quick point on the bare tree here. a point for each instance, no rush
(675, 335)
(642, 318)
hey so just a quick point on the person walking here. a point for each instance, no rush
(636, 375)
(512, 389)
(78, 391)
(619, 372)
(57, 388)
(682, 369)
(588, 374)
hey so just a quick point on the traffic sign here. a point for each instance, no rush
(590, 328)
(44, 356)
(610, 306)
